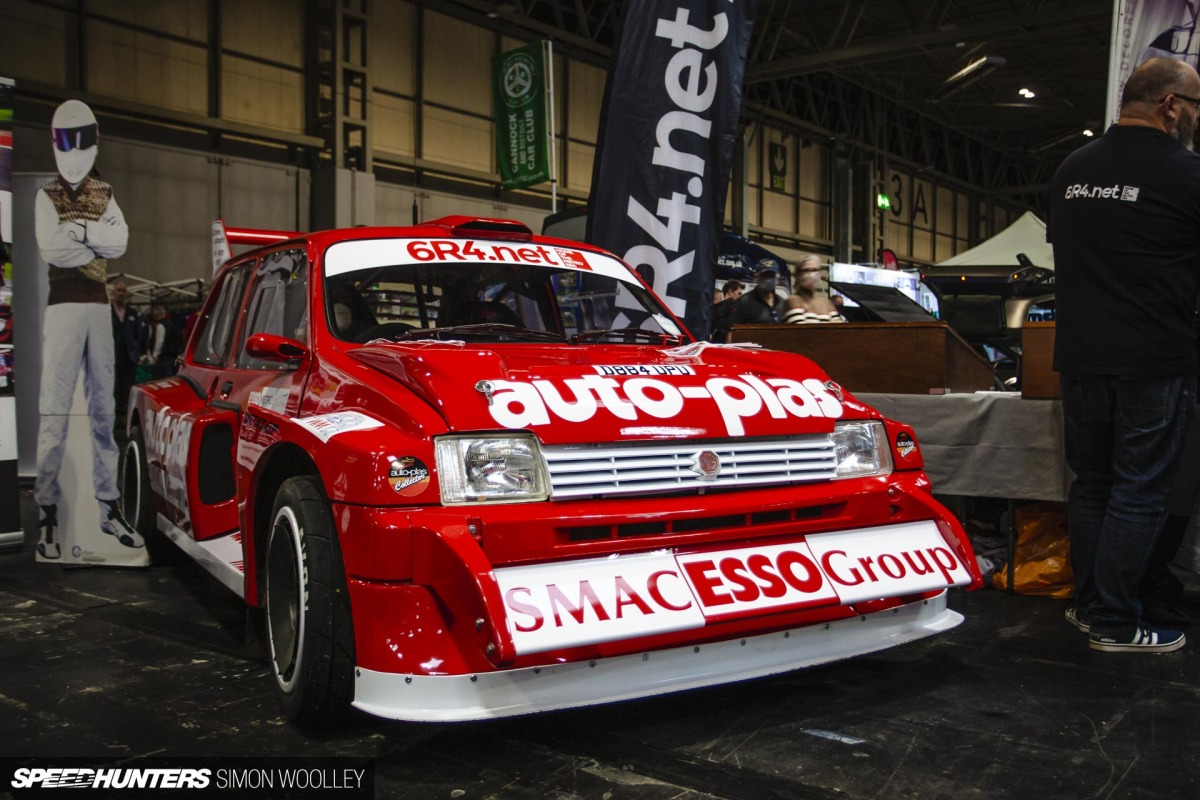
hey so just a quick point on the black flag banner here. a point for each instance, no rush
(666, 140)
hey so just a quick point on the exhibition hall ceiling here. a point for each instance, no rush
(817, 61)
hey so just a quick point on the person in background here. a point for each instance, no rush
(126, 348)
(761, 305)
(723, 312)
(160, 344)
(809, 303)
(1124, 221)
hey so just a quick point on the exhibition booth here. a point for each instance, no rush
(952, 352)
(451, 436)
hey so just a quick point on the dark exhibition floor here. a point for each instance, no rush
(122, 664)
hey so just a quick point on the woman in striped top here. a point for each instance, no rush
(809, 304)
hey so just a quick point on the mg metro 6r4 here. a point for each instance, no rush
(470, 472)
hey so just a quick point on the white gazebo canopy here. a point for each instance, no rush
(1027, 235)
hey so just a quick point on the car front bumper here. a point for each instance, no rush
(487, 695)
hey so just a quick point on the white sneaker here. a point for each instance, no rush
(48, 548)
(112, 523)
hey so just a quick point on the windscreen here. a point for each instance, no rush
(407, 289)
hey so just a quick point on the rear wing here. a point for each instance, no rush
(223, 238)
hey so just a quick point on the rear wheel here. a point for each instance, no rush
(310, 634)
(137, 500)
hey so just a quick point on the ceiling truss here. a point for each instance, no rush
(871, 75)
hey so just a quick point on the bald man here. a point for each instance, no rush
(1124, 221)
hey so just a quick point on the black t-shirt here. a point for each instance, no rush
(751, 308)
(722, 319)
(1124, 221)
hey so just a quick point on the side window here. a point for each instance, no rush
(212, 344)
(278, 304)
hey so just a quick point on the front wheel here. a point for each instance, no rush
(310, 633)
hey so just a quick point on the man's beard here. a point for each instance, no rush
(1185, 133)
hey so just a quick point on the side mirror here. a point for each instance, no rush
(269, 347)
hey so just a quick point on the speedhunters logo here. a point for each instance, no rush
(84, 778)
(233, 777)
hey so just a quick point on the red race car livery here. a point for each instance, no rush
(469, 472)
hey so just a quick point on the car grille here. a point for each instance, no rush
(585, 470)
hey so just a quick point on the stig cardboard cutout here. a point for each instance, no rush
(79, 226)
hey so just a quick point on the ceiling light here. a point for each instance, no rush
(972, 72)
(975, 66)
(1026, 93)
(1070, 137)
(1088, 132)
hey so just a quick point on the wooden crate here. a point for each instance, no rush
(883, 357)
(1038, 378)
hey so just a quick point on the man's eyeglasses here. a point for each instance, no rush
(1195, 101)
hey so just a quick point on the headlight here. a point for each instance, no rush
(495, 469)
(862, 449)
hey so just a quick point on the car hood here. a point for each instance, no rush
(589, 393)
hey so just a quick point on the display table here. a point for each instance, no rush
(986, 444)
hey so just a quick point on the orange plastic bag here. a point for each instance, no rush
(1043, 556)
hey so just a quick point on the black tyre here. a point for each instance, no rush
(309, 630)
(137, 503)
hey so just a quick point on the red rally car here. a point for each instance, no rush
(470, 472)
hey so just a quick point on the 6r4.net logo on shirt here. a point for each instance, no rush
(1114, 192)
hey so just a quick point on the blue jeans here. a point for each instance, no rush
(1124, 441)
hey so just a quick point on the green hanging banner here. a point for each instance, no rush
(519, 99)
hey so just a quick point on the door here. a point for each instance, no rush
(275, 302)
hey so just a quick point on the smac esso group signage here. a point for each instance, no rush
(608, 599)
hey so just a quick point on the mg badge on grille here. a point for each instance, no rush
(706, 464)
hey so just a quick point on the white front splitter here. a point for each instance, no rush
(445, 698)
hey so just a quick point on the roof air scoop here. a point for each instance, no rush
(462, 227)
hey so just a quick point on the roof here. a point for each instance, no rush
(892, 74)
